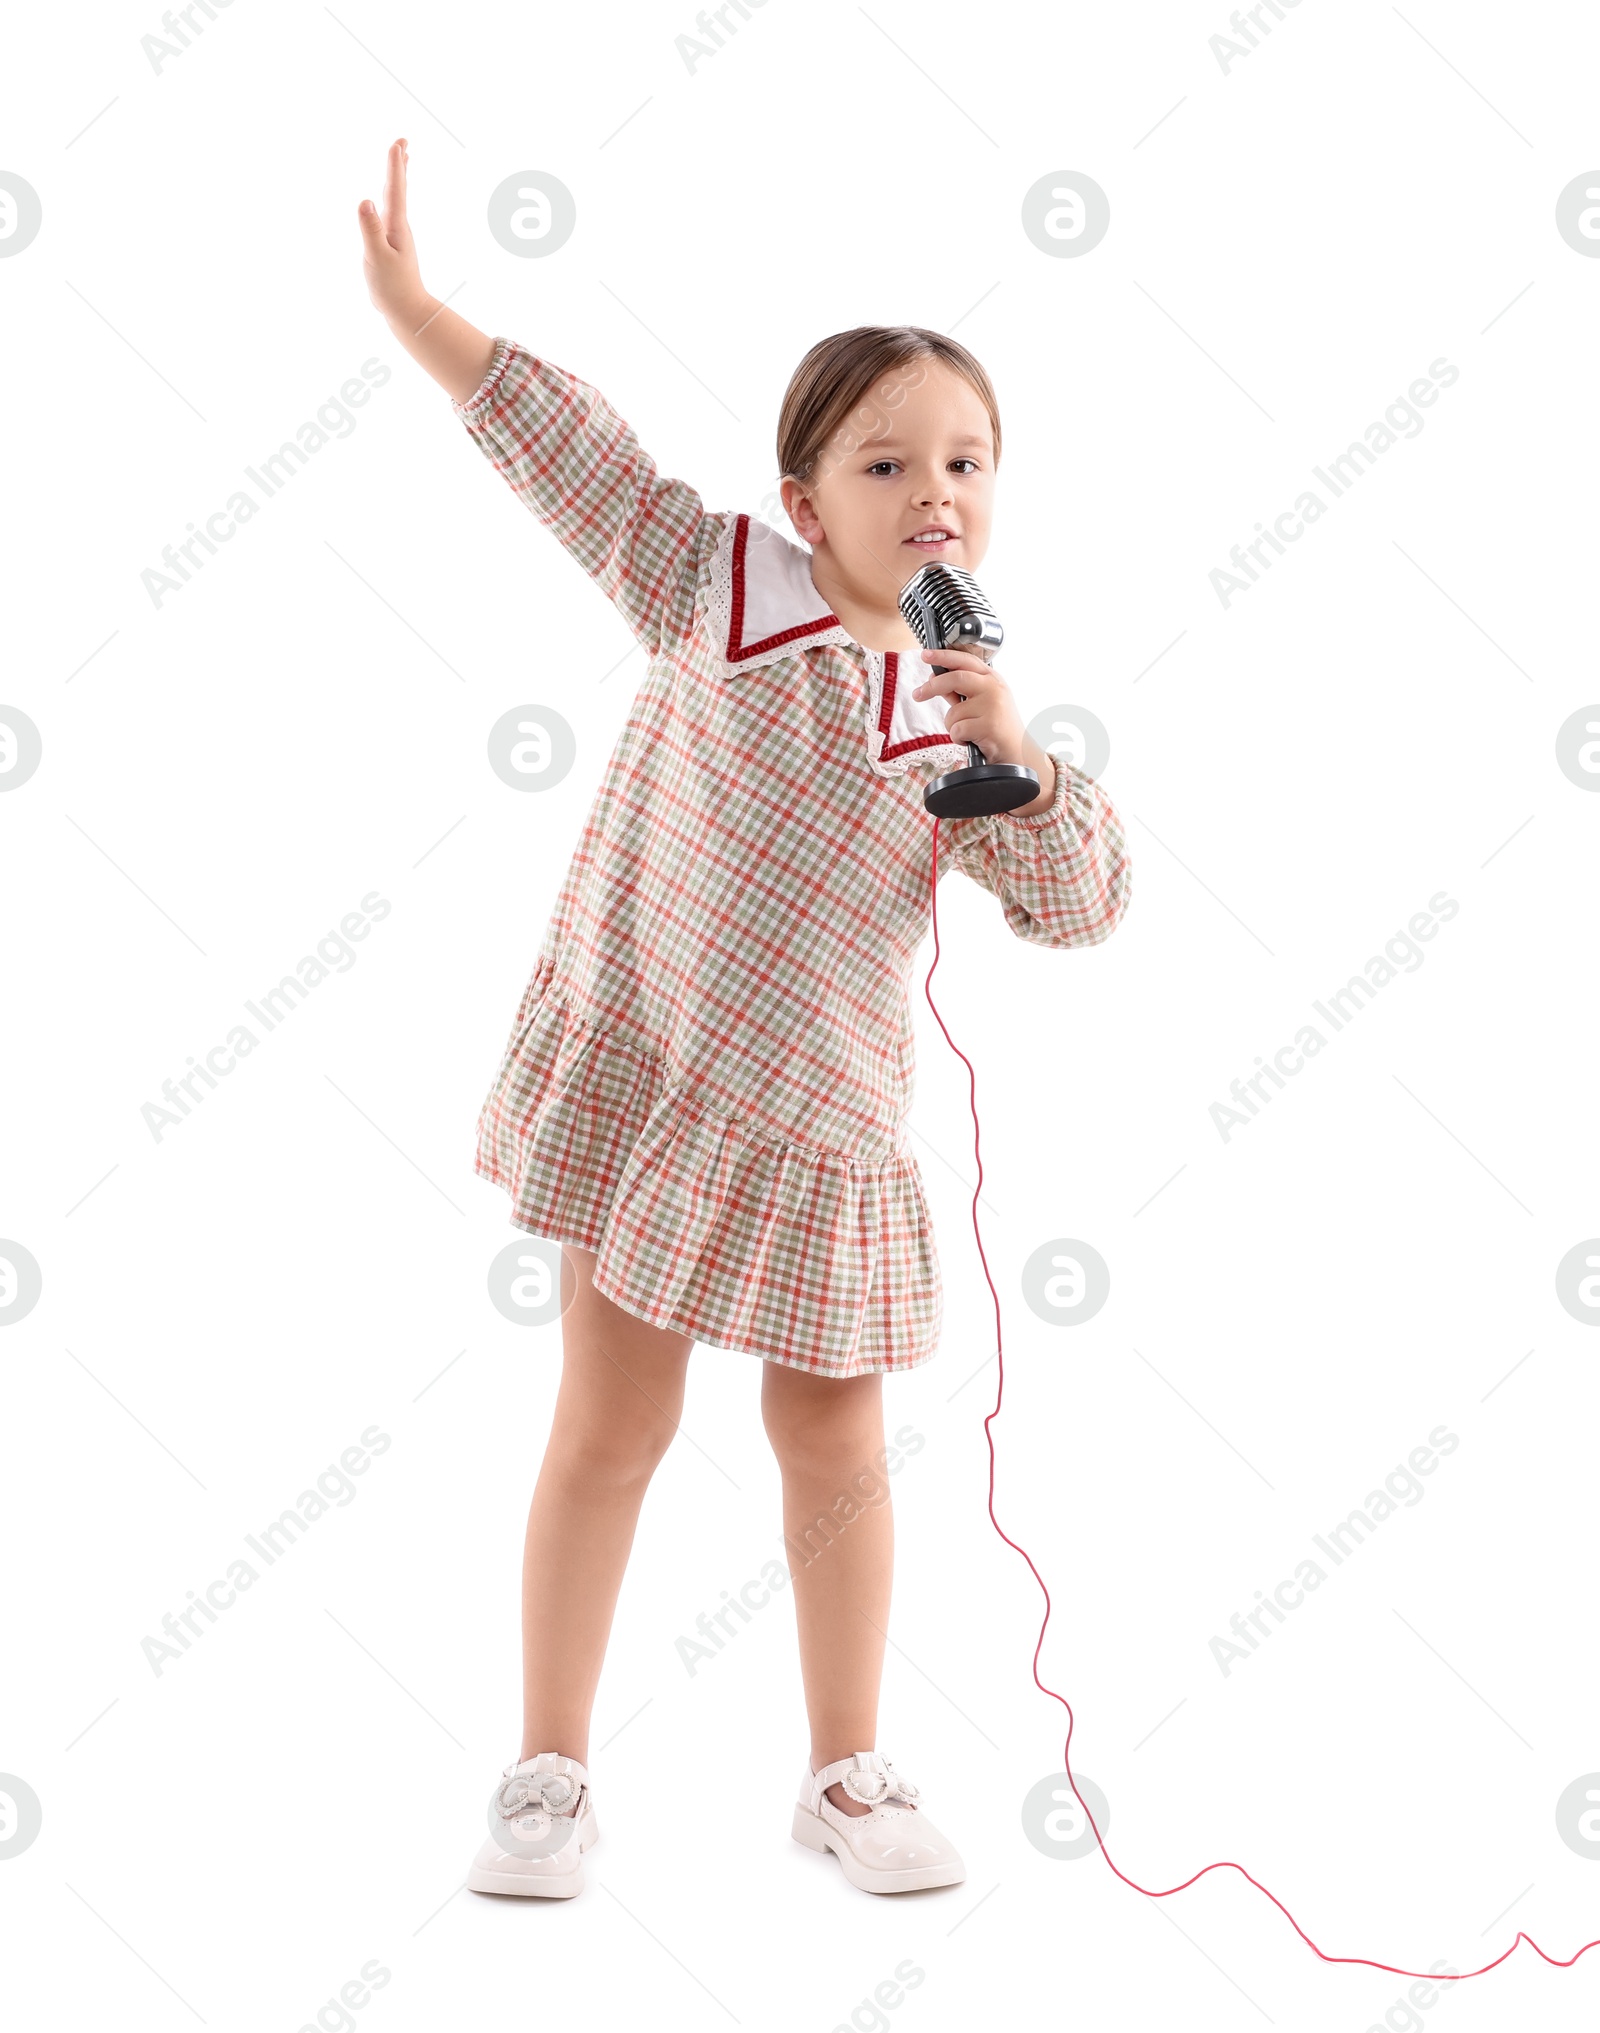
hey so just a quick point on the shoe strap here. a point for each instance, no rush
(875, 1781)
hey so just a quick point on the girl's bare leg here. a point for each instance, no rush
(617, 1409)
(827, 1433)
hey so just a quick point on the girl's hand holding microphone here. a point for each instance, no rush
(455, 353)
(983, 710)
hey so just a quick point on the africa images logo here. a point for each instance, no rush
(1402, 953)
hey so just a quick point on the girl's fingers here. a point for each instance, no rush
(966, 678)
(370, 220)
(394, 192)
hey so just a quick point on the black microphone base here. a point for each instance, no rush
(985, 787)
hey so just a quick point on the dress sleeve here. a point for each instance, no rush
(577, 466)
(1062, 875)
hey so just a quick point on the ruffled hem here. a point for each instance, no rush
(701, 1224)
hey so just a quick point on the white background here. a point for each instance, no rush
(1292, 1311)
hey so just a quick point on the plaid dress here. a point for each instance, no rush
(709, 1077)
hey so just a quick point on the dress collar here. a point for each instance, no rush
(762, 606)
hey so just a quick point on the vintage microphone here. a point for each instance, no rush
(946, 610)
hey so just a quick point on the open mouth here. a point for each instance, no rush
(932, 540)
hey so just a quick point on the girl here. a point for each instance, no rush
(705, 1093)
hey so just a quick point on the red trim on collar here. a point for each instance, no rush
(891, 673)
(738, 649)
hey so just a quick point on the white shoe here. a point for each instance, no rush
(892, 1848)
(541, 1820)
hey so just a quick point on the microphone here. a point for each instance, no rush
(946, 610)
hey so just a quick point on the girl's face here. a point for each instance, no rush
(925, 463)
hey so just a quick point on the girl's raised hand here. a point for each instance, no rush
(389, 256)
(456, 354)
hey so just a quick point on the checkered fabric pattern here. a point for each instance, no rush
(710, 1073)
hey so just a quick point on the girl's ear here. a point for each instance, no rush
(797, 506)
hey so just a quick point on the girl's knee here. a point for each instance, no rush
(609, 1452)
(823, 1425)
(609, 1426)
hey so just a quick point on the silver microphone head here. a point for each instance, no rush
(945, 609)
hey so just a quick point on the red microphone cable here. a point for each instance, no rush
(1431, 1975)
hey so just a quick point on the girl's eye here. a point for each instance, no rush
(877, 464)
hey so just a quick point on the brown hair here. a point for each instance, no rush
(848, 386)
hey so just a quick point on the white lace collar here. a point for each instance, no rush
(762, 606)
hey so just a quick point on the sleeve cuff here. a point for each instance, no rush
(477, 404)
(1053, 813)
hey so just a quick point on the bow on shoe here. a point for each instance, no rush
(873, 1780)
(534, 1792)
